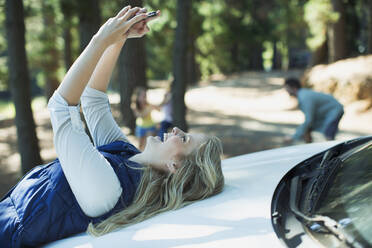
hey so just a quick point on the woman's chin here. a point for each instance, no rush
(154, 139)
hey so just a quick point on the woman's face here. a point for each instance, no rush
(176, 145)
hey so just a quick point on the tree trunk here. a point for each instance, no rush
(192, 66)
(67, 8)
(51, 54)
(20, 85)
(256, 60)
(277, 60)
(320, 55)
(337, 34)
(132, 72)
(67, 37)
(89, 20)
(352, 28)
(234, 51)
(180, 65)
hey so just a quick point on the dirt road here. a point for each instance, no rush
(249, 112)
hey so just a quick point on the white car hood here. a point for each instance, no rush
(238, 217)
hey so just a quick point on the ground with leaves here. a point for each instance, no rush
(249, 111)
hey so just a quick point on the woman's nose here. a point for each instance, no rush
(176, 131)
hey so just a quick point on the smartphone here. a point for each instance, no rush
(151, 14)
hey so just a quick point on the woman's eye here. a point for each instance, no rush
(183, 138)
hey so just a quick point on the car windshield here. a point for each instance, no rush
(348, 199)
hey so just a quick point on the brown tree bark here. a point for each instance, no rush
(255, 57)
(277, 58)
(180, 65)
(195, 22)
(192, 66)
(51, 54)
(320, 55)
(132, 72)
(67, 8)
(89, 20)
(337, 34)
(20, 85)
(352, 28)
(234, 51)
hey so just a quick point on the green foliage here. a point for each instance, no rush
(3, 73)
(214, 35)
(268, 55)
(159, 43)
(39, 36)
(227, 34)
(3, 48)
(318, 13)
(288, 27)
(7, 109)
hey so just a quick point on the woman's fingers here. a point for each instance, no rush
(129, 14)
(137, 18)
(142, 10)
(123, 11)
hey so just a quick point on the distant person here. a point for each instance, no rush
(166, 109)
(145, 125)
(322, 112)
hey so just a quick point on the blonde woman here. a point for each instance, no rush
(109, 184)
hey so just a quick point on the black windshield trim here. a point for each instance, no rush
(325, 221)
(290, 228)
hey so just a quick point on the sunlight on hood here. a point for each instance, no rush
(175, 231)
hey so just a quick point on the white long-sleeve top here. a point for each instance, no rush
(90, 176)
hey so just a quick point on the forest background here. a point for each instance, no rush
(190, 45)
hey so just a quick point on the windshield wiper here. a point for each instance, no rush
(328, 223)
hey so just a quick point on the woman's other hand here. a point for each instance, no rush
(140, 28)
(116, 28)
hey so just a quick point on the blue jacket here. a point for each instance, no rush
(42, 208)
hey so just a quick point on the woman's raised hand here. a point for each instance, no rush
(116, 28)
(140, 28)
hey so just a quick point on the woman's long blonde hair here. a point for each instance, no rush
(199, 177)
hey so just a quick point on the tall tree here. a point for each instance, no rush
(259, 15)
(336, 33)
(132, 72)
(67, 8)
(353, 28)
(89, 23)
(318, 14)
(20, 85)
(195, 29)
(276, 60)
(89, 20)
(50, 60)
(320, 55)
(180, 64)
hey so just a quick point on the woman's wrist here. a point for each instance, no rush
(99, 43)
(120, 43)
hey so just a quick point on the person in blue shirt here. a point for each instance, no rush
(322, 112)
(108, 184)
